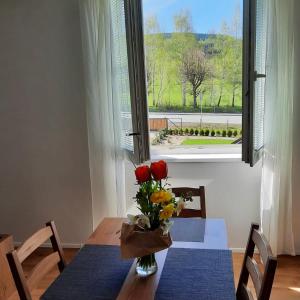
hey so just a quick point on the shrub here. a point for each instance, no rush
(202, 132)
(156, 141)
(196, 132)
(229, 133)
(224, 133)
(218, 132)
(235, 133)
(176, 131)
(186, 131)
(213, 133)
(171, 132)
(181, 131)
(206, 132)
(191, 131)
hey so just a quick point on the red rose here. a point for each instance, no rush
(159, 170)
(142, 174)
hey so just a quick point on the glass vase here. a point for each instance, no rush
(146, 265)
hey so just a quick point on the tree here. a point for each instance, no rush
(183, 22)
(154, 49)
(235, 69)
(223, 46)
(236, 54)
(195, 69)
(182, 40)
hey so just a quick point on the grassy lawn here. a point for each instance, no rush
(216, 141)
(172, 96)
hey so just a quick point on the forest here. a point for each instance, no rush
(188, 71)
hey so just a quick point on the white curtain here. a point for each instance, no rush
(276, 191)
(103, 108)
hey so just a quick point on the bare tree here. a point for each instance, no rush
(183, 22)
(195, 69)
(236, 53)
(153, 44)
(224, 48)
(184, 39)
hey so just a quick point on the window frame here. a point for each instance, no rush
(137, 80)
(250, 155)
(138, 91)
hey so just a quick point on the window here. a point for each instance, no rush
(196, 71)
(193, 54)
(136, 71)
(254, 79)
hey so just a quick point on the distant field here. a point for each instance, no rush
(206, 141)
(172, 97)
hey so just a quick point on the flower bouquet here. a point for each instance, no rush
(148, 232)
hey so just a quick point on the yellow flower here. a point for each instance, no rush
(161, 197)
(167, 212)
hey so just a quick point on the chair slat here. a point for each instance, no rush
(179, 191)
(190, 213)
(262, 245)
(35, 241)
(42, 268)
(255, 274)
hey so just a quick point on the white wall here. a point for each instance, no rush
(44, 166)
(232, 192)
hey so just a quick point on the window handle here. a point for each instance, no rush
(257, 75)
(132, 134)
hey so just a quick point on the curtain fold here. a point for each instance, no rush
(276, 188)
(107, 171)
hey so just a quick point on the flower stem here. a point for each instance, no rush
(146, 261)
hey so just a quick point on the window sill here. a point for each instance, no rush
(211, 158)
(208, 154)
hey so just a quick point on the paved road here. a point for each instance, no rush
(219, 118)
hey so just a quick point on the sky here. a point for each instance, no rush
(207, 15)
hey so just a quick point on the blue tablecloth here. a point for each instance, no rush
(197, 274)
(96, 273)
(188, 229)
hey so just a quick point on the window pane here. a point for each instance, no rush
(121, 89)
(193, 55)
(260, 67)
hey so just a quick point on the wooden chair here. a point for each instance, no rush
(16, 257)
(192, 192)
(262, 282)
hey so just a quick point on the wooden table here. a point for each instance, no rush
(108, 233)
(212, 235)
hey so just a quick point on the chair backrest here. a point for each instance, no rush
(16, 258)
(191, 192)
(7, 285)
(262, 281)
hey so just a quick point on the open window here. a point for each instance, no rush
(185, 73)
(254, 74)
(138, 133)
